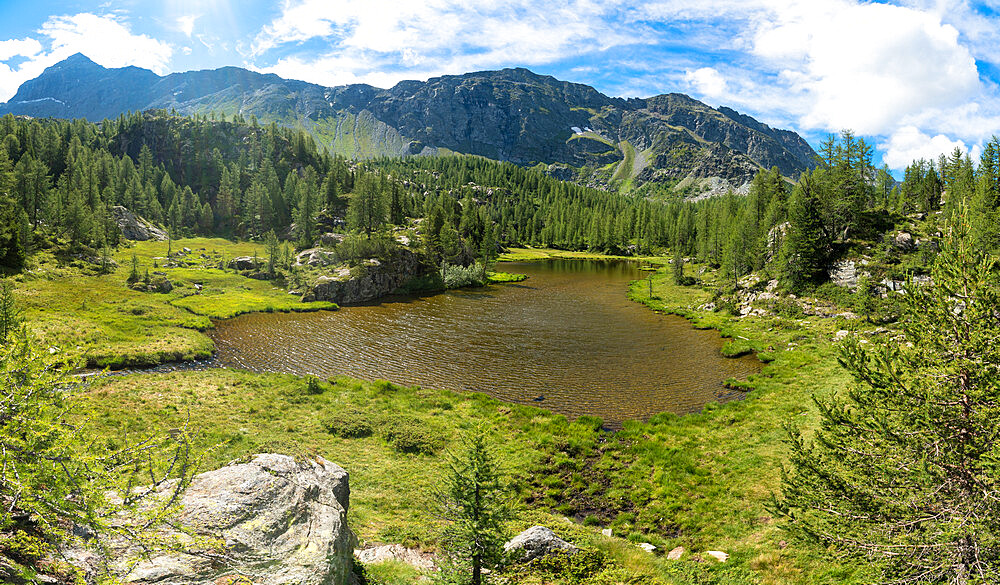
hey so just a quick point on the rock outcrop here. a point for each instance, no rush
(133, 227)
(280, 521)
(368, 281)
(245, 263)
(537, 541)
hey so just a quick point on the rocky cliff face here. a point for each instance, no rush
(280, 521)
(371, 280)
(510, 115)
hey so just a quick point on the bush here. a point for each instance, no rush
(356, 247)
(313, 386)
(350, 423)
(408, 435)
(455, 276)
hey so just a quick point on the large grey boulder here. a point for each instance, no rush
(274, 520)
(537, 541)
(134, 227)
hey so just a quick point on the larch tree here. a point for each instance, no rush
(473, 499)
(902, 473)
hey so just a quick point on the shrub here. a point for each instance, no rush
(313, 386)
(350, 423)
(408, 435)
(456, 276)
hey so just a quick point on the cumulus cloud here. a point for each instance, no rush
(707, 81)
(904, 74)
(908, 144)
(104, 38)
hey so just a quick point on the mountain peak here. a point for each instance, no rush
(76, 60)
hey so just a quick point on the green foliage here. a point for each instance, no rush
(314, 386)
(356, 248)
(474, 500)
(57, 475)
(411, 435)
(457, 276)
(351, 423)
(806, 246)
(902, 472)
(10, 312)
(368, 210)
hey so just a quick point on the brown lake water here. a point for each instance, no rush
(567, 335)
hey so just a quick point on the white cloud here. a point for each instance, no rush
(908, 144)
(19, 48)
(387, 41)
(106, 39)
(707, 81)
(880, 69)
(185, 24)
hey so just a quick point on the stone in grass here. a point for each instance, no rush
(675, 554)
(718, 555)
(606, 532)
(647, 546)
(396, 552)
(536, 542)
(281, 521)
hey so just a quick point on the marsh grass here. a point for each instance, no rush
(75, 309)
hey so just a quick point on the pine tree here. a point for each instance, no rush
(55, 478)
(369, 207)
(902, 472)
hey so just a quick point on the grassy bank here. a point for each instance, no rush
(700, 481)
(70, 305)
(532, 254)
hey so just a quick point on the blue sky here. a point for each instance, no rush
(915, 77)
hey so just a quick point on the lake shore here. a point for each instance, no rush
(701, 481)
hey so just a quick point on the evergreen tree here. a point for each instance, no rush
(55, 478)
(902, 472)
(369, 207)
(804, 251)
(474, 501)
(677, 267)
(273, 250)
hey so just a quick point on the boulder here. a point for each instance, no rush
(396, 552)
(537, 541)
(718, 555)
(675, 554)
(844, 273)
(244, 263)
(314, 257)
(647, 546)
(133, 227)
(904, 241)
(281, 521)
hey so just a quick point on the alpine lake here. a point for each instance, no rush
(566, 339)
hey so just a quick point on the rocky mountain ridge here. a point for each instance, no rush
(509, 115)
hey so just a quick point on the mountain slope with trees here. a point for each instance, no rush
(669, 141)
